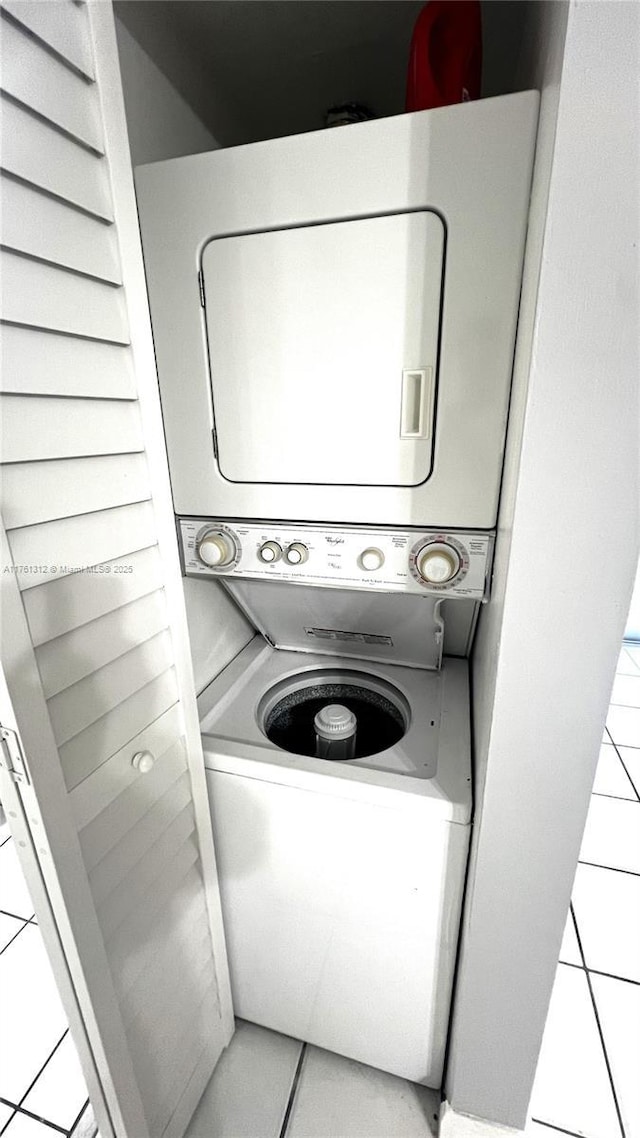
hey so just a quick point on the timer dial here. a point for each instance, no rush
(269, 552)
(437, 563)
(371, 559)
(297, 553)
(216, 549)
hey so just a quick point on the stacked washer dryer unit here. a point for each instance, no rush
(334, 317)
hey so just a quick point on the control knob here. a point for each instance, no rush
(216, 549)
(371, 559)
(437, 563)
(269, 552)
(297, 553)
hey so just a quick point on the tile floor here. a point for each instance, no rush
(269, 1086)
(588, 1078)
(42, 1090)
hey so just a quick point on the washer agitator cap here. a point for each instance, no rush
(335, 722)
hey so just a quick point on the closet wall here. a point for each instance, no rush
(548, 643)
(161, 125)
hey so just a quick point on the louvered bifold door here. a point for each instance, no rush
(94, 634)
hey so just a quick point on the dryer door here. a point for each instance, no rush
(323, 344)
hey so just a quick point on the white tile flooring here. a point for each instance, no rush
(269, 1086)
(588, 1078)
(42, 1090)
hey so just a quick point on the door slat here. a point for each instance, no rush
(116, 796)
(126, 948)
(188, 948)
(131, 962)
(153, 1050)
(75, 542)
(118, 908)
(40, 226)
(45, 428)
(190, 1046)
(68, 659)
(35, 78)
(60, 605)
(45, 491)
(36, 362)
(90, 748)
(43, 296)
(138, 840)
(43, 157)
(61, 26)
(77, 707)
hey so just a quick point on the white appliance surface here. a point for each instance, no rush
(386, 627)
(298, 288)
(342, 882)
(322, 320)
(430, 762)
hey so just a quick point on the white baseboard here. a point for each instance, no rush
(454, 1125)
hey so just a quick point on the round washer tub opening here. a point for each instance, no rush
(287, 713)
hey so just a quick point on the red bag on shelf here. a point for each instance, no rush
(445, 61)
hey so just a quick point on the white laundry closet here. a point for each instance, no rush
(178, 570)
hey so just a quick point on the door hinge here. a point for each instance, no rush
(11, 756)
(201, 288)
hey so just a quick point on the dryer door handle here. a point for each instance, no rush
(416, 402)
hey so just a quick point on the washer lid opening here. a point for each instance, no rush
(287, 713)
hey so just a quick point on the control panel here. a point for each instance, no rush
(389, 560)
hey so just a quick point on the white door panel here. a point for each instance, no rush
(94, 637)
(323, 347)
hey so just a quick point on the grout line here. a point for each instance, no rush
(10, 1119)
(16, 916)
(32, 1084)
(612, 976)
(556, 1129)
(293, 1092)
(612, 868)
(616, 797)
(22, 926)
(624, 767)
(77, 1119)
(37, 1118)
(599, 972)
(599, 1026)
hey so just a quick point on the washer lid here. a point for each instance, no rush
(392, 627)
